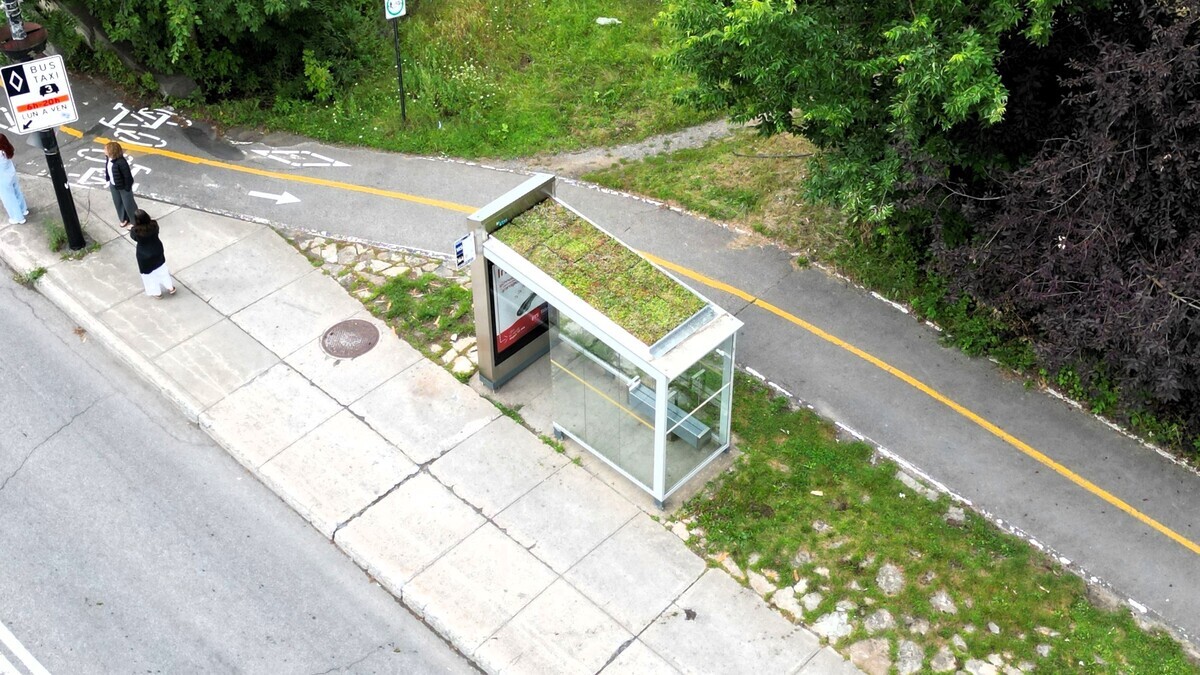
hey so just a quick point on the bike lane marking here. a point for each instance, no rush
(14, 645)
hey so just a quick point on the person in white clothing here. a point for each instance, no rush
(10, 189)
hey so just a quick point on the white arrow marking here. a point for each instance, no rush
(285, 198)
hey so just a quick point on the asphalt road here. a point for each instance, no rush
(130, 542)
(1099, 501)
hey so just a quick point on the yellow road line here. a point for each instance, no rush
(713, 283)
(71, 131)
(602, 395)
(940, 398)
(391, 194)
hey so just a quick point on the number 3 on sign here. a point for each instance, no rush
(393, 9)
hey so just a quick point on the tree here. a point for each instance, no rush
(876, 84)
(236, 47)
(1096, 241)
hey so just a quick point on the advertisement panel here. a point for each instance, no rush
(519, 313)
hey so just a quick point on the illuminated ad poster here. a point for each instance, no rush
(519, 311)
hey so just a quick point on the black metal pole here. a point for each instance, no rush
(58, 172)
(62, 190)
(399, 65)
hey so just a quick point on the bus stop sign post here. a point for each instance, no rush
(20, 41)
(392, 11)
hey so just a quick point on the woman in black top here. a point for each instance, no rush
(151, 259)
(120, 182)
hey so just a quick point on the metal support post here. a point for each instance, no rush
(399, 65)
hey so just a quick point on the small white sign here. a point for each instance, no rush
(393, 9)
(39, 95)
(464, 251)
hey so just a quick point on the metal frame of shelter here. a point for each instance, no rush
(657, 413)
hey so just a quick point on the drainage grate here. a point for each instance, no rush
(350, 338)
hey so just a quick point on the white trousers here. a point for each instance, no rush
(158, 282)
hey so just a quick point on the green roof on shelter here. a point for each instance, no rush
(600, 270)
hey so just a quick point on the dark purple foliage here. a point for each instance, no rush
(1095, 240)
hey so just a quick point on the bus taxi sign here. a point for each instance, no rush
(39, 95)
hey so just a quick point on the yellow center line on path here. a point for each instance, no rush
(939, 397)
(713, 283)
(192, 159)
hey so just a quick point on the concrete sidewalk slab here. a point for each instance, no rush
(336, 471)
(426, 412)
(270, 413)
(559, 632)
(564, 517)
(718, 626)
(636, 573)
(216, 362)
(246, 269)
(193, 236)
(298, 313)
(408, 530)
(638, 659)
(476, 588)
(496, 466)
(153, 326)
(104, 278)
(348, 380)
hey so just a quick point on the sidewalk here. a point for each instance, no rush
(521, 559)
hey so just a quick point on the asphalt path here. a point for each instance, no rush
(1099, 501)
(131, 542)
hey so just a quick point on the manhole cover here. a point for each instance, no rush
(350, 338)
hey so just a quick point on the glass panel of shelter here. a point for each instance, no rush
(697, 399)
(591, 387)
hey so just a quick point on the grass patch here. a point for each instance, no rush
(28, 279)
(800, 505)
(428, 308)
(490, 78)
(746, 180)
(81, 253)
(56, 235)
(600, 270)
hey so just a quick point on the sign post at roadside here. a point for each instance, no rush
(392, 11)
(19, 42)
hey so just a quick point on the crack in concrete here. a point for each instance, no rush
(349, 666)
(49, 438)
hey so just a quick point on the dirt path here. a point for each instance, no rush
(575, 164)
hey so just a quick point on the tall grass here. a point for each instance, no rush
(497, 79)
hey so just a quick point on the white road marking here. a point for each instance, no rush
(285, 198)
(20, 652)
(298, 158)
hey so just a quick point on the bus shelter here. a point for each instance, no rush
(641, 365)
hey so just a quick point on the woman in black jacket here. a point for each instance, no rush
(120, 182)
(151, 259)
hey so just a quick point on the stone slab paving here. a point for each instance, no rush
(719, 626)
(427, 412)
(298, 313)
(559, 632)
(216, 362)
(478, 587)
(348, 380)
(565, 517)
(152, 327)
(636, 573)
(336, 471)
(524, 562)
(270, 413)
(243, 272)
(495, 467)
(638, 659)
(408, 530)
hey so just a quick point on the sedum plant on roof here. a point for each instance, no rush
(600, 270)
